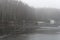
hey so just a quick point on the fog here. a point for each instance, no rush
(43, 3)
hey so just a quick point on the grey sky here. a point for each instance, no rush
(43, 3)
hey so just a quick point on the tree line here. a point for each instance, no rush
(13, 14)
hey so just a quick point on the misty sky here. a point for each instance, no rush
(43, 3)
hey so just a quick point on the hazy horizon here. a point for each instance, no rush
(43, 3)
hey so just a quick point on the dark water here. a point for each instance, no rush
(35, 36)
